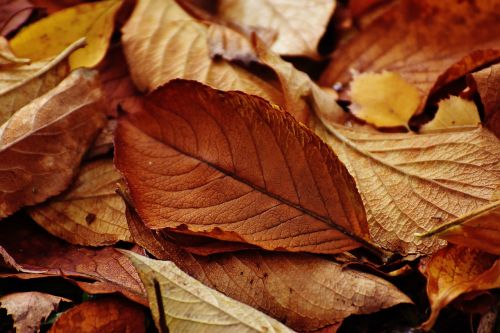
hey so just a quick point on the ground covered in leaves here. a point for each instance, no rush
(249, 166)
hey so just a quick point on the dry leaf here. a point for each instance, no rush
(89, 212)
(35, 251)
(486, 82)
(413, 183)
(52, 6)
(28, 309)
(49, 36)
(453, 111)
(430, 43)
(103, 144)
(278, 283)
(184, 304)
(7, 58)
(103, 315)
(42, 144)
(456, 270)
(239, 170)
(480, 229)
(299, 24)
(384, 99)
(13, 13)
(19, 85)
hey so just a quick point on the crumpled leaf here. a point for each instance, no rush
(13, 13)
(298, 24)
(486, 82)
(480, 229)
(456, 270)
(28, 309)
(49, 36)
(239, 170)
(89, 212)
(40, 254)
(19, 85)
(413, 183)
(183, 304)
(103, 315)
(430, 43)
(278, 283)
(453, 111)
(42, 144)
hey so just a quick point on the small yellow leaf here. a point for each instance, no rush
(453, 111)
(49, 36)
(384, 99)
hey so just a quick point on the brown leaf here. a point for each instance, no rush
(13, 13)
(89, 212)
(239, 170)
(298, 24)
(456, 270)
(302, 291)
(28, 309)
(42, 144)
(104, 315)
(36, 251)
(103, 144)
(480, 229)
(487, 82)
(52, 6)
(413, 183)
(430, 43)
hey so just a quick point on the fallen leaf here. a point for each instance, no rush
(413, 183)
(240, 170)
(13, 13)
(383, 99)
(28, 309)
(299, 24)
(453, 111)
(456, 270)
(103, 315)
(42, 144)
(49, 36)
(7, 58)
(52, 6)
(486, 82)
(103, 144)
(97, 271)
(430, 43)
(19, 85)
(480, 229)
(89, 212)
(184, 304)
(278, 283)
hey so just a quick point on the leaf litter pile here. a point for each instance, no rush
(249, 166)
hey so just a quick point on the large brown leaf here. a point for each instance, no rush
(302, 291)
(89, 212)
(430, 43)
(413, 183)
(42, 144)
(232, 167)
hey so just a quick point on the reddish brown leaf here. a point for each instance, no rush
(52, 6)
(13, 13)
(238, 170)
(105, 315)
(42, 144)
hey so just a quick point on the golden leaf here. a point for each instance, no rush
(453, 112)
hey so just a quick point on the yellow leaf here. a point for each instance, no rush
(184, 304)
(384, 99)
(453, 111)
(49, 36)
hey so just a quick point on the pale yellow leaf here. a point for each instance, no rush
(452, 112)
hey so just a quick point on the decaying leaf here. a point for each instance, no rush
(430, 43)
(453, 112)
(298, 25)
(89, 212)
(456, 270)
(13, 14)
(278, 283)
(42, 144)
(480, 229)
(49, 36)
(19, 85)
(414, 183)
(239, 170)
(183, 304)
(104, 315)
(28, 309)
(39, 254)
